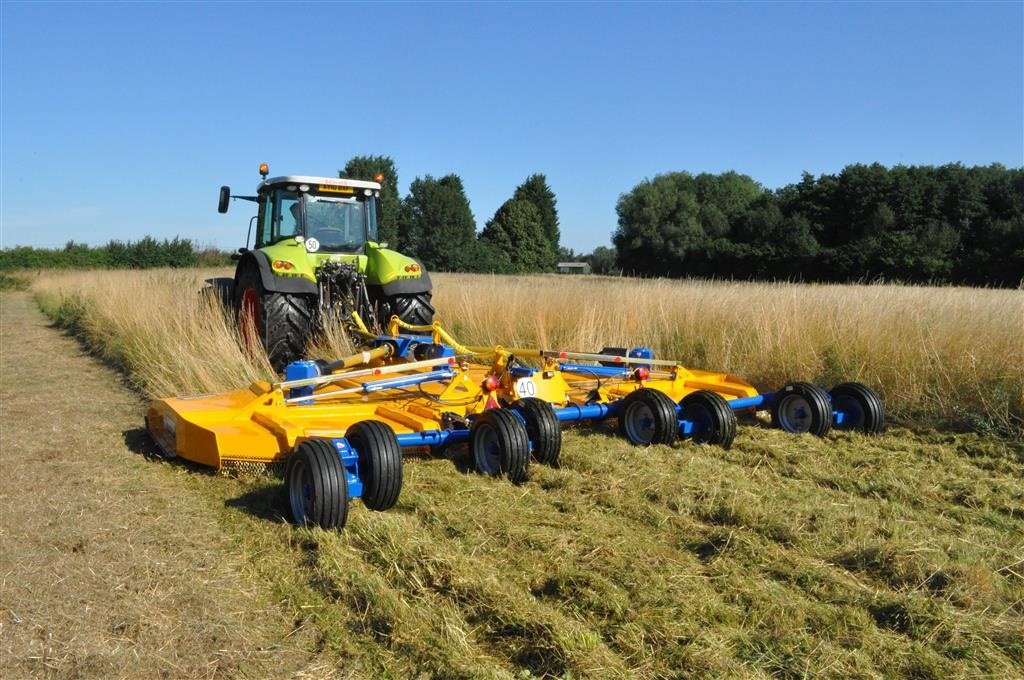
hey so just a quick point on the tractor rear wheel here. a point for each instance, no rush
(499, 445)
(380, 462)
(861, 407)
(317, 485)
(542, 427)
(713, 418)
(802, 407)
(414, 308)
(648, 417)
(279, 323)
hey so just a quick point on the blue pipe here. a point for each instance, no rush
(406, 380)
(432, 438)
(752, 402)
(575, 412)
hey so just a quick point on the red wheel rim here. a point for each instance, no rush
(250, 319)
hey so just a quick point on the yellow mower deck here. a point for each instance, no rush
(261, 424)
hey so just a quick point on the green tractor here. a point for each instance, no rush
(316, 254)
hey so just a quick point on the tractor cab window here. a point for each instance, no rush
(291, 217)
(338, 224)
(280, 218)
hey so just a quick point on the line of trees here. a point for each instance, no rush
(914, 224)
(145, 253)
(435, 224)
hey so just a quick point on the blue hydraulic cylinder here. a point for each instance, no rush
(407, 380)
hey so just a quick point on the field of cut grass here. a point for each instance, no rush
(898, 555)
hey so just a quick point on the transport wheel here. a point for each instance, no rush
(802, 407)
(317, 486)
(413, 309)
(380, 462)
(278, 323)
(648, 417)
(500, 445)
(713, 418)
(543, 429)
(861, 406)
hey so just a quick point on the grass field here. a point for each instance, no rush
(899, 555)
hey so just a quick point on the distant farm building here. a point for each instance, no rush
(573, 268)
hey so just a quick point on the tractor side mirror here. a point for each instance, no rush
(225, 196)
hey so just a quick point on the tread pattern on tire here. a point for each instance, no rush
(286, 322)
(380, 462)
(413, 309)
(513, 443)
(663, 411)
(328, 481)
(868, 400)
(817, 400)
(543, 428)
(714, 406)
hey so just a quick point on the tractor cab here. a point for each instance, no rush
(330, 215)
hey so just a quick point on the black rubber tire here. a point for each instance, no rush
(648, 417)
(543, 428)
(316, 485)
(499, 445)
(801, 407)
(414, 308)
(861, 405)
(714, 418)
(380, 462)
(284, 323)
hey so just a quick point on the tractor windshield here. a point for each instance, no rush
(340, 224)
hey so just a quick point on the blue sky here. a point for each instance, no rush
(120, 120)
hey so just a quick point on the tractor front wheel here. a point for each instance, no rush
(277, 323)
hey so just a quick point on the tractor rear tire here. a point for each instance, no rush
(317, 485)
(648, 417)
(713, 417)
(499, 445)
(279, 323)
(414, 308)
(861, 406)
(801, 407)
(380, 462)
(543, 429)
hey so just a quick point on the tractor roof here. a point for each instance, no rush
(311, 181)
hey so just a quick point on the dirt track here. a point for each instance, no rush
(112, 565)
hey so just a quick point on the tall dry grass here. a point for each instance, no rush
(170, 338)
(937, 355)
